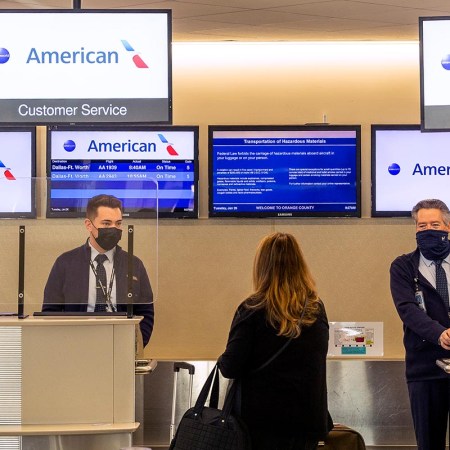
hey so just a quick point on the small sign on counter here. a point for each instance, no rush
(356, 339)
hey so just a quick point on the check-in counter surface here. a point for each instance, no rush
(76, 373)
(39, 430)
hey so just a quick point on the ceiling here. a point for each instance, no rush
(276, 20)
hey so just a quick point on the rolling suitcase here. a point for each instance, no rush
(177, 366)
(342, 437)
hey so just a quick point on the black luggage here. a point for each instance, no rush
(342, 437)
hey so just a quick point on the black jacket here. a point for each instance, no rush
(68, 286)
(290, 394)
(421, 330)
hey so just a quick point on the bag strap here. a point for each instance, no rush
(214, 396)
(213, 380)
(279, 351)
(203, 396)
(235, 389)
(236, 385)
(229, 402)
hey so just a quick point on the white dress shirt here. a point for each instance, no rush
(428, 269)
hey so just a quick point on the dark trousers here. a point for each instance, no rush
(430, 411)
(269, 441)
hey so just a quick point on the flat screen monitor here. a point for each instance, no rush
(152, 169)
(17, 172)
(434, 37)
(407, 166)
(284, 171)
(85, 66)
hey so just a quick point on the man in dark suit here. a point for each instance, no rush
(420, 286)
(93, 277)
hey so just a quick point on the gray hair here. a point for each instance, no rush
(432, 203)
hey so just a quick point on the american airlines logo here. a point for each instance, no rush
(422, 170)
(78, 56)
(138, 61)
(170, 150)
(4, 55)
(69, 145)
(394, 169)
(124, 146)
(6, 172)
(445, 62)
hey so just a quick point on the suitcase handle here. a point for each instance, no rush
(177, 366)
(184, 365)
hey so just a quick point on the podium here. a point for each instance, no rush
(67, 382)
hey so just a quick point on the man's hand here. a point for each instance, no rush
(444, 339)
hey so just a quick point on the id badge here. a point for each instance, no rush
(420, 300)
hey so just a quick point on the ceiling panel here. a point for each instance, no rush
(359, 11)
(179, 10)
(256, 4)
(437, 5)
(275, 20)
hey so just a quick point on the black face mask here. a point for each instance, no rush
(108, 238)
(433, 244)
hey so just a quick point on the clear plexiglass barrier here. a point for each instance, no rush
(48, 246)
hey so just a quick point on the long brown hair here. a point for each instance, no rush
(282, 283)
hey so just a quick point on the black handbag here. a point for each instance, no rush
(209, 428)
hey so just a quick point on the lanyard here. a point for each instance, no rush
(106, 295)
(416, 283)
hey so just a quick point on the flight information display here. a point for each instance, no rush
(154, 171)
(285, 171)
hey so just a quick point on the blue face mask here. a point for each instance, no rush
(433, 244)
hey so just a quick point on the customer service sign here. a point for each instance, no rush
(60, 66)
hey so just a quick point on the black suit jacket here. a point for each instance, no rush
(67, 287)
(421, 329)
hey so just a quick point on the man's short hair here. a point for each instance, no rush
(432, 203)
(101, 200)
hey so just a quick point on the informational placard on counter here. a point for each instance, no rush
(356, 339)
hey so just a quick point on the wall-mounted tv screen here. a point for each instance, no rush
(284, 171)
(434, 36)
(85, 66)
(17, 172)
(152, 169)
(407, 166)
